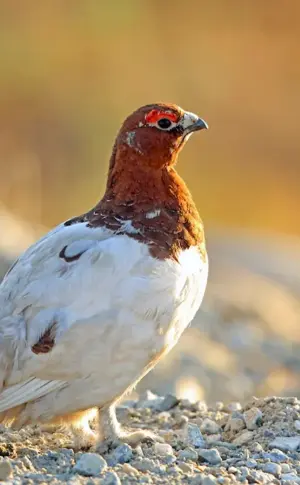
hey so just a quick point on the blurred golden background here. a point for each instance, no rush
(72, 70)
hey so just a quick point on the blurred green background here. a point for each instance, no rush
(72, 70)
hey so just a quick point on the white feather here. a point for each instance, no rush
(27, 391)
(115, 309)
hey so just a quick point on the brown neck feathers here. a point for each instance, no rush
(150, 204)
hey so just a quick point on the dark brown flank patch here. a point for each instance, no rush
(46, 342)
(142, 180)
(69, 259)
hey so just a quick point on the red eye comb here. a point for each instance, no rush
(155, 115)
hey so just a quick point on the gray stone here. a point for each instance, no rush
(277, 456)
(197, 480)
(163, 449)
(253, 418)
(286, 444)
(243, 438)
(188, 454)
(90, 464)
(272, 468)
(212, 456)
(168, 459)
(244, 470)
(144, 465)
(209, 426)
(164, 418)
(235, 424)
(149, 400)
(130, 470)
(185, 467)
(169, 402)
(200, 406)
(181, 420)
(110, 478)
(6, 470)
(209, 480)
(256, 447)
(122, 454)
(290, 477)
(193, 436)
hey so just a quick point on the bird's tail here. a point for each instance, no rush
(10, 416)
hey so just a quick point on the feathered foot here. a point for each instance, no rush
(111, 434)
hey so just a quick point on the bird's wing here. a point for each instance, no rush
(27, 391)
(67, 280)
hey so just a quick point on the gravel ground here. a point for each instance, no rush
(258, 443)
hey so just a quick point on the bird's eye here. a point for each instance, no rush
(164, 123)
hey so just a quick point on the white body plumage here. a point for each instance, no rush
(116, 310)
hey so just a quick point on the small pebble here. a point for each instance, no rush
(253, 418)
(290, 477)
(163, 449)
(275, 455)
(185, 467)
(209, 480)
(244, 470)
(6, 470)
(272, 468)
(169, 402)
(144, 465)
(27, 463)
(243, 438)
(122, 454)
(110, 478)
(188, 454)
(256, 447)
(174, 469)
(186, 403)
(235, 424)
(197, 480)
(181, 420)
(163, 417)
(224, 480)
(129, 469)
(150, 400)
(209, 426)
(297, 424)
(286, 444)
(212, 456)
(213, 438)
(193, 436)
(90, 464)
(200, 406)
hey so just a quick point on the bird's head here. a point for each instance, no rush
(154, 134)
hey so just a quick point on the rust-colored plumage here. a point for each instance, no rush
(142, 182)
